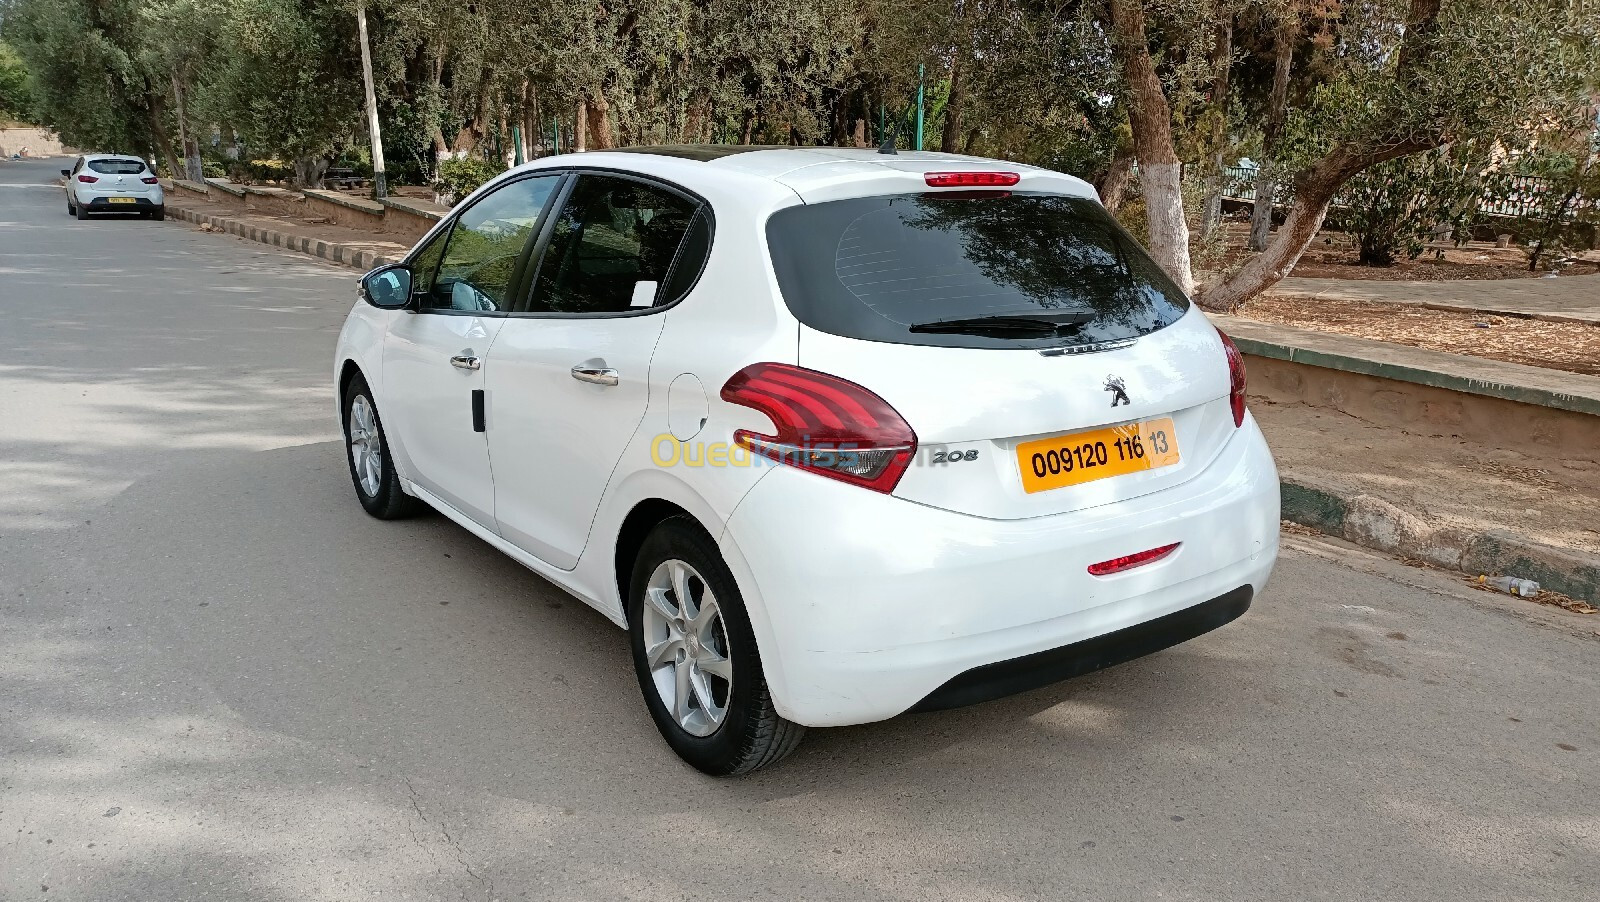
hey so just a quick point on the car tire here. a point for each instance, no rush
(71, 210)
(367, 453)
(748, 733)
(159, 214)
(80, 212)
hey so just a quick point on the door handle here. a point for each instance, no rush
(465, 362)
(596, 375)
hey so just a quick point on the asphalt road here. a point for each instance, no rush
(221, 680)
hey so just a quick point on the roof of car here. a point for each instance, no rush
(820, 172)
(112, 156)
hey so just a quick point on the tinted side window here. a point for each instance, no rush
(483, 255)
(611, 247)
(691, 259)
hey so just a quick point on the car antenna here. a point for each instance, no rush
(888, 140)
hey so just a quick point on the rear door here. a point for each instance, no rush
(569, 376)
(1004, 325)
(119, 177)
(434, 358)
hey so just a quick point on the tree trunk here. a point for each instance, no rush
(1118, 176)
(600, 122)
(380, 183)
(858, 137)
(1222, 61)
(308, 171)
(951, 137)
(748, 131)
(1159, 169)
(156, 110)
(1287, 34)
(1313, 194)
(192, 168)
(580, 126)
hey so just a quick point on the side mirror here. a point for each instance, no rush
(66, 172)
(387, 287)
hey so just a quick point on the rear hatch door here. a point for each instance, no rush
(1003, 327)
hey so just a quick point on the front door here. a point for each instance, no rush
(434, 358)
(568, 381)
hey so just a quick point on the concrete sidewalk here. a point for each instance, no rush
(1561, 299)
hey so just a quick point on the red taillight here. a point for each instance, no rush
(1235, 377)
(971, 179)
(824, 424)
(149, 180)
(88, 179)
(1130, 561)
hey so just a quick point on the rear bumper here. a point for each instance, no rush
(125, 203)
(991, 681)
(866, 606)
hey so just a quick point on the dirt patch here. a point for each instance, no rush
(1549, 497)
(1573, 347)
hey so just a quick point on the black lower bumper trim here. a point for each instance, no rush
(108, 206)
(991, 681)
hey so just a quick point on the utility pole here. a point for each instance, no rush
(380, 187)
(919, 108)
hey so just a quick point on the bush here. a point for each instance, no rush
(213, 171)
(1394, 207)
(461, 176)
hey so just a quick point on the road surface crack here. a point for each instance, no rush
(444, 829)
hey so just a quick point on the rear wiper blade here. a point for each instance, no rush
(1049, 324)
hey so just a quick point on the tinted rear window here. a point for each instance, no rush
(873, 267)
(117, 167)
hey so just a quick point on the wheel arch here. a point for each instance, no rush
(348, 371)
(636, 526)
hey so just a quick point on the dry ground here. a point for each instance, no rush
(1573, 347)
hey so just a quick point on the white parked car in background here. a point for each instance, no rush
(113, 183)
(834, 434)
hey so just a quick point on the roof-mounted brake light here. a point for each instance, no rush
(971, 179)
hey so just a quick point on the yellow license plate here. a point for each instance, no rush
(123, 200)
(1079, 457)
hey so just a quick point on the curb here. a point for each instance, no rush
(332, 251)
(1377, 524)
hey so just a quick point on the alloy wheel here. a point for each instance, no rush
(686, 645)
(366, 447)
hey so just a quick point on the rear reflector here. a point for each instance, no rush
(1130, 561)
(970, 179)
(830, 426)
(88, 179)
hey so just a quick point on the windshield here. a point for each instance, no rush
(930, 268)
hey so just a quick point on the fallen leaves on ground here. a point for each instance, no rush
(1573, 347)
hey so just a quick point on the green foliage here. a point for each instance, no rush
(461, 176)
(1565, 213)
(16, 98)
(92, 78)
(213, 171)
(1393, 208)
(285, 77)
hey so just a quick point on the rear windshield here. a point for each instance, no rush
(875, 267)
(117, 167)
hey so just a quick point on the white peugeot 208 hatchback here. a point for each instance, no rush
(835, 434)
